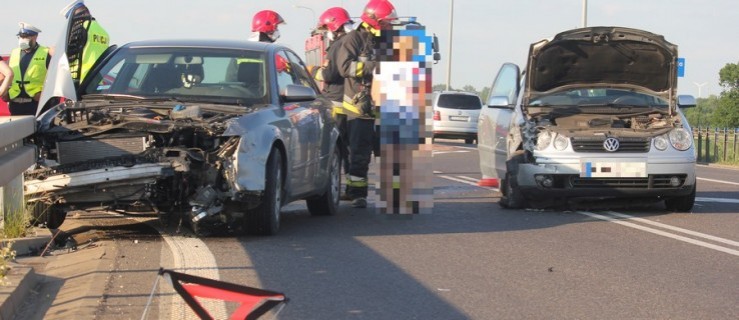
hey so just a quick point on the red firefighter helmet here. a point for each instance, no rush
(266, 21)
(378, 10)
(333, 18)
(281, 63)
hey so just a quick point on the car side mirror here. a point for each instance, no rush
(297, 93)
(686, 101)
(499, 102)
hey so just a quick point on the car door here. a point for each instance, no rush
(494, 121)
(306, 124)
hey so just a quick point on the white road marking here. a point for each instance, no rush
(456, 151)
(192, 256)
(678, 229)
(662, 233)
(720, 200)
(475, 180)
(719, 181)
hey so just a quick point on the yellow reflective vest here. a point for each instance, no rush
(97, 43)
(33, 80)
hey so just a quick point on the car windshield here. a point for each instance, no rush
(459, 101)
(599, 97)
(202, 74)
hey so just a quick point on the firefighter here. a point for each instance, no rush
(336, 23)
(29, 63)
(86, 42)
(355, 61)
(264, 26)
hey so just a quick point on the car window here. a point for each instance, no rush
(300, 71)
(459, 101)
(598, 97)
(182, 73)
(506, 83)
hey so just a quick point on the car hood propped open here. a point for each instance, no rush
(603, 56)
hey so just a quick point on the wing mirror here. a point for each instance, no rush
(499, 102)
(296, 93)
(686, 101)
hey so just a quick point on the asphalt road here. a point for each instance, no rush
(469, 259)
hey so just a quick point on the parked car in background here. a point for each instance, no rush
(220, 134)
(594, 117)
(455, 115)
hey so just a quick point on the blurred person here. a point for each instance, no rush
(29, 62)
(6, 77)
(264, 26)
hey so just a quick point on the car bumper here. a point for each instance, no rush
(569, 178)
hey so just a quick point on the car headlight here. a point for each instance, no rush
(681, 139)
(661, 143)
(561, 142)
(543, 140)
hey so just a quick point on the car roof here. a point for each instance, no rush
(456, 92)
(207, 43)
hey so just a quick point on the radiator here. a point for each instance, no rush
(82, 150)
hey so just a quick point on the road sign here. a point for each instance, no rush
(680, 67)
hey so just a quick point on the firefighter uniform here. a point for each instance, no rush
(354, 59)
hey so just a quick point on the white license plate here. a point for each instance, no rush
(612, 169)
(459, 118)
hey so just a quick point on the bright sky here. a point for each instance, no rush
(487, 33)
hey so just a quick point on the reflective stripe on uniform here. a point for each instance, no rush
(354, 181)
(356, 68)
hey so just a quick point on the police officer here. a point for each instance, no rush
(86, 42)
(356, 64)
(29, 63)
(264, 26)
(336, 23)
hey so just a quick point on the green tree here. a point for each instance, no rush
(469, 88)
(726, 114)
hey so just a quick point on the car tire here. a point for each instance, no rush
(265, 218)
(512, 197)
(469, 141)
(51, 215)
(327, 204)
(683, 203)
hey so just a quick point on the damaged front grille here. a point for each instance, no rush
(626, 144)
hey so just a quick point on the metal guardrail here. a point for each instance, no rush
(716, 144)
(15, 158)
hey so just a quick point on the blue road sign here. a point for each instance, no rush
(680, 67)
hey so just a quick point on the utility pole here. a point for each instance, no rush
(449, 57)
(584, 13)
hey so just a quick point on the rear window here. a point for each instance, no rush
(459, 101)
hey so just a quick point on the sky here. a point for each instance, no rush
(486, 33)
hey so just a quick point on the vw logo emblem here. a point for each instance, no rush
(611, 144)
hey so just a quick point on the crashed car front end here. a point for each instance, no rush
(600, 120)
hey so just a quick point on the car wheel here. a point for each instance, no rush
(512, 197)
(51, 215)
(681, 204)
(265, 218)
(328, 203)
(469, 141)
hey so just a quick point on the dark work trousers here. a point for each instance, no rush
(361, 143)
(22, 109)
(342, 125)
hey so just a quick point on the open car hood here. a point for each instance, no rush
(603, 57)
